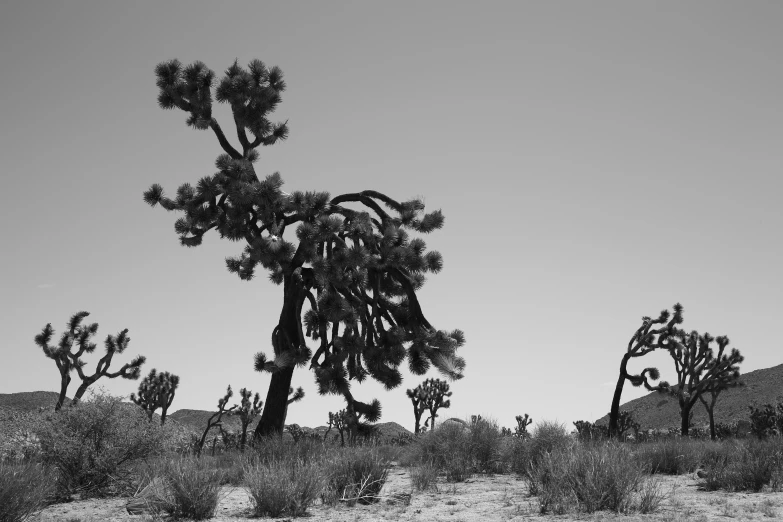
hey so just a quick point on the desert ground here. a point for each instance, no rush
(481, 498)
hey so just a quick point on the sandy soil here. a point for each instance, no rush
(480, 499)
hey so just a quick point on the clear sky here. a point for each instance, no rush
(595, 161)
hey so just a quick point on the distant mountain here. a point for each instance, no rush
(197, 420)
(661, 411)
(30, 401)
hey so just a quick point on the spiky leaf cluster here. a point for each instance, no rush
(646, 339)
(356, 271)
(156, 391)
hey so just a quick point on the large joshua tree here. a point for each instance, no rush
(349, 283)
(74, 343)
(431, 395)
(700, 370)
(644, 340)
(156, 390)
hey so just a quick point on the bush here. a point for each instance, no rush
(192, 488)
(287, 486)
(673, 456)
(354, 475)
(486, 446)
(424, 476)
(94, 444)
(745, 467)
(24, 489)
(592, 478)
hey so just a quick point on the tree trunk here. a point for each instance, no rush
(614, 412)
(65, 380)
(163, 416)
(82, 389)
(432, 418)
(713, 435)
(272, 420)
(417, 415)
(685, 412)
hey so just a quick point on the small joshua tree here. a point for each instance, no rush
(419, 407)
(644, 340)
(215, 419)
(68, 360)
(432, 395)
(338, 421)
(722, 383)
(247, 411)
(520, 430)
(156, 390)
(699, 369)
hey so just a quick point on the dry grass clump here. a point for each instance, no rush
(354, 475)
(187, 487)
(24, 489)
(590, 478)
(675, 455)
(287, 486)
(424, 476)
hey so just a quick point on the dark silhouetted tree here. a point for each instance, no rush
(357, 270)
(644, 340)
(247, 411)
(415, 395)
(434, 393)
(699, 369)
(77, 337)
(520, 430)
(156, 390)
(714, 390)
(216, 419)
(338, 421)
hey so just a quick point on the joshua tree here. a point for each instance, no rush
(357, 270)
(156, 390)
(433, 393)
(714, 390)
(68, 360)
(293, 396)
(247, 411)
(645, 340)
(520, 430)
(699, 369)
(215, 419)
(417, 399)
(338, 421)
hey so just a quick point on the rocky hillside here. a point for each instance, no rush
(662, 411)
(30, 401)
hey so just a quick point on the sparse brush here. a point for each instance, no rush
(486, 445)
(673, 456)
(24, 489)
(748, 466)
(592, 478)
(424, 476)
(355, 475)
(192, 488)
(286, 486)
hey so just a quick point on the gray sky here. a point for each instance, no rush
(595, 161)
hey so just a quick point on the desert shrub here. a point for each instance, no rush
(354, 475)
(24, 489)
(486, 446)
(746, 466)
(591, 478)
(766, 420)
(286, 486)
(192, 488)
(424, 476)
(94, 444)
(450, 448)
(672, 456)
